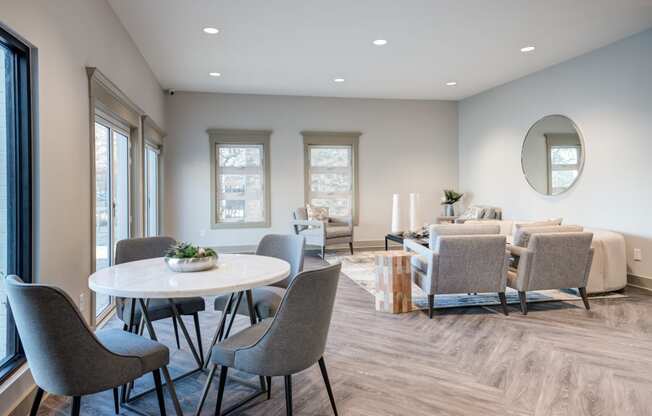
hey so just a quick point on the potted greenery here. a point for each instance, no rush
(184, 257)
(450, 197)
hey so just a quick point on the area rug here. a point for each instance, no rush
(361, 269)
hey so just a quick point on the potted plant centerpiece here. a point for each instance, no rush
(450, 197)
(184, 257)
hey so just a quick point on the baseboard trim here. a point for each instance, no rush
(639, 282)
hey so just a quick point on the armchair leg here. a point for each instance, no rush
(585, 298)
(220, 392)
(324, 373)
(323, 252)
(288, 395)
(431, 305)
(76, 406)
(503, 302)
(159, 391)
(523, 298)
(351, 247)
(37, 401)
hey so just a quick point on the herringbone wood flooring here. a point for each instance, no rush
(558, 360)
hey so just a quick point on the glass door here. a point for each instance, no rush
(112, 205)
(151, 190)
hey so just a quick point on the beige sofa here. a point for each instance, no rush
(609, 266)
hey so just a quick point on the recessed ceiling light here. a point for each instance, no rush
(338, 80)
(380, 42)
(527, 49)
(215, 74)
(211, 30)
(451, 83)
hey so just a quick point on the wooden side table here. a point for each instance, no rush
(393, 281)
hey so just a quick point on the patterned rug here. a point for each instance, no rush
(361, 269)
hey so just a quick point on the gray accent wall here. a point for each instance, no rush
(608, 94)
(405, 146)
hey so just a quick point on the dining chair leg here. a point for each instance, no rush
(37, 401)
(431, 305)
(220, 392)
(523, 298)
(76, 406)
(204, 393)
(503, 302)
(195, 318)
(159, 391)
(585, 298)
(324, 374)
(176, 332)
(116, 402)
(269, 387)
(288, 395)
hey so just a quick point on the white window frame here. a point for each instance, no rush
(332, 139)
(222, 137)
(157, 150)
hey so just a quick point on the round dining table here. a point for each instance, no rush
(235, 274)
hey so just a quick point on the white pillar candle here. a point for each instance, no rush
(396, 214)
(414, 212)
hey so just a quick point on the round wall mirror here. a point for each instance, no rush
(553, 155)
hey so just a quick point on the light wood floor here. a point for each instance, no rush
(558, 360)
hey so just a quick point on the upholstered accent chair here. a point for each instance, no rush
(286, 344)
(135, 249)
(323, 233)
(460, 259)
(64, 355)
(556, 260)
(267, 299)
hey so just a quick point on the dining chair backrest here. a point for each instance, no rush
(134, 249)
(296, 339)
(64, 356)
(285, 247)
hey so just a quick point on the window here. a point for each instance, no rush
(564, 167)
(240, 190)
(15, 183)
(331, 172)
(112, 205)
(151, 190)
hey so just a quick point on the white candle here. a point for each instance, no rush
(414, 212)
(396, 214)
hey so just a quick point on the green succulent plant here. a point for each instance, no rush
(451, 197)
(183, 250)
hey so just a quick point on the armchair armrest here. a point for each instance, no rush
(308, 223)
(411, 245)
(343, 221)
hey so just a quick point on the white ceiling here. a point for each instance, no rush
(297, 47)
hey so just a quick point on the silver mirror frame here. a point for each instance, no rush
(582, 161)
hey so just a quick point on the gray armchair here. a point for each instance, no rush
(64, 355)
(552, 261)
(460, 259)
(323, 233)
(290, 342)
(135, 249)
(267, 299)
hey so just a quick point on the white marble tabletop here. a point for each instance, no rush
(152, 279)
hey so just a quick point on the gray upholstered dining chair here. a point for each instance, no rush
(66, 358)
(135, 249)
(286, 344)
(267, 299)
(558, 260)
(323, 233)
(460, 259)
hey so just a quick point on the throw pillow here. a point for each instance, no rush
(472, 213)
(317, 213)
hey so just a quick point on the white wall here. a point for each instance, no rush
(71, 35)
(608, 93)
(406, 146)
